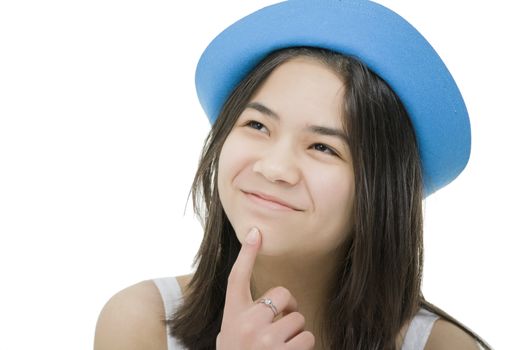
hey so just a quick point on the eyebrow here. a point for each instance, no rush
(316, 129)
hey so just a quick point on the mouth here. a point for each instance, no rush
(269, 202)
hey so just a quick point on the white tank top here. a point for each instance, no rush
(415, 338)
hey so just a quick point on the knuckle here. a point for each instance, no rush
(284, 292)
(299, 318)
(309, 337)
(266, 340)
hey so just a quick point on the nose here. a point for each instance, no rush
(278, 164)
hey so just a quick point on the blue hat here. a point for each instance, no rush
(381, 39)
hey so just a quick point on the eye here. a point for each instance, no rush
(255, 125)
(324, 149)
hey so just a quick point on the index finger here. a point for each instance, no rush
(238, 292)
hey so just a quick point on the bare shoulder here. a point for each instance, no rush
(132, 319)
(446, 335)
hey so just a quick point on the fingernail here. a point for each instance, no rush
(252, 236)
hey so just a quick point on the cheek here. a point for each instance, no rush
(333, 186)
(333, 196)
(232, 159)
(225, 166)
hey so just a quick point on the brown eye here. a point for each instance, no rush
(255, 125)
(324, 149)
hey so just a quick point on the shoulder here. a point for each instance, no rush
(447, 336)
(132, 319)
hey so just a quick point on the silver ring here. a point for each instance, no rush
(270, 304)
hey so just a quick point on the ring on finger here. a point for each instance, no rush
(268, 303)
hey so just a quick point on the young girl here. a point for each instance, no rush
(332, 120)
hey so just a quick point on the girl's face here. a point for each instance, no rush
(288, 146)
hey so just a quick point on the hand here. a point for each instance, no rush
(248, 325)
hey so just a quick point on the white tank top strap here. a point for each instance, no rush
(419, 330)
(171, 294)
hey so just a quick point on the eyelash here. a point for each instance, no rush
(330, 149)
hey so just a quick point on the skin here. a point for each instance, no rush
(279, 155)
(131, 318)
(272, 149)
(294, 250)
(249, 325)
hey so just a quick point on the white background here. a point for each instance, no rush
(100, 133)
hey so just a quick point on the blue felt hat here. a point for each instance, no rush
(380, 38)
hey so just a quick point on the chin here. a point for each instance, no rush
(275, 241)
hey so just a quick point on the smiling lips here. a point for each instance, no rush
(270, 201)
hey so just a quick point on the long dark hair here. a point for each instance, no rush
(377, 288)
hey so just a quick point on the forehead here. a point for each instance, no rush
(303, 90)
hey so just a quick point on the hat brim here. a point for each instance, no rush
(383, 40)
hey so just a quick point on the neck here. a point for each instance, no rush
(307, 279)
